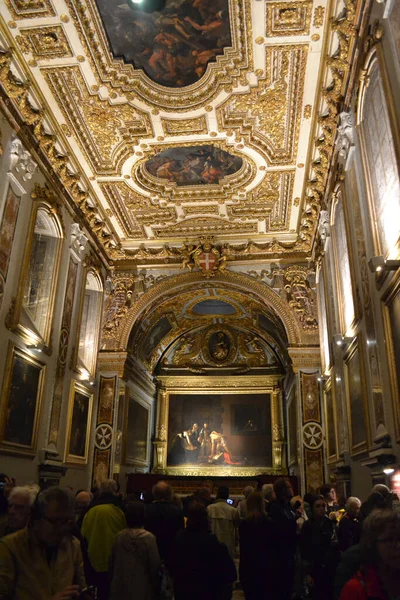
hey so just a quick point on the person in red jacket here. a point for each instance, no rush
(379, 576)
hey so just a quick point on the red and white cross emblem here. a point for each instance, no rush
(207, 261)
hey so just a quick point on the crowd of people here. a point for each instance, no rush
(57, 545)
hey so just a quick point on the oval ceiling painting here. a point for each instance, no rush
(193, 165)
(173, 45)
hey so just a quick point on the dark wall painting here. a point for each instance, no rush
(219, 429)
(137, 421)
(21, 401)
(172, 46)
(194, 165)
(155, 335)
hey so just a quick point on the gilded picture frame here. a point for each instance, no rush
(79, 419)
(292, 430)
(391, 319)
(16, 321)
(356, 397)
(8, 224)
(376, 56)
(216, 385)
(136, 431)
(91, 371)
(21, 401)
(347, 323)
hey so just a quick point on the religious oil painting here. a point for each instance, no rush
(136, 432)
(219, 429)
(155, 335)
(330, 423)
(193, 165)
(21, 398)
(79, 420)
(7, 230)
(174, 45)
(355, 400)
(106, 399)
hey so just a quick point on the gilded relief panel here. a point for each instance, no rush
(197, 226)
(108, 130)
(268, 116)
(44, 42)
(288, 18)
(29, 9)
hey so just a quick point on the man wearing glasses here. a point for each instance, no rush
(43, 561)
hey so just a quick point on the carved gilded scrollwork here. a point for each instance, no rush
(300, 296)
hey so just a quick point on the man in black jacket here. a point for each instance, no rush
(163, 518)
(285, 537)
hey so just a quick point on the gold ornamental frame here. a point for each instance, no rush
(75, 352)
(357, 347)
(376, 56)
(69, 457)
(260, 384)
(13, 319)
(329, 389)
(15, 447)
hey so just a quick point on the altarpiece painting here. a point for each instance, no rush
(219, 429)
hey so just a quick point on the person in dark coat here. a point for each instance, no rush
(319, 550)
(199, 564)
(164, 518)
(285, 538)
(256, 548)
(349, 531)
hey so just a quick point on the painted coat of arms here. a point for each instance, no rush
(204, 256)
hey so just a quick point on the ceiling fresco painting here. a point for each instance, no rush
(172, 46)
(194, 165)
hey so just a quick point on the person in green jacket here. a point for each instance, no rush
(103, 521)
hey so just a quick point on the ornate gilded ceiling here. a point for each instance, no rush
(221, 127)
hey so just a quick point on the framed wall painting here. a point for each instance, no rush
(330, 422)
(292, 430)
(7, 229)
(391, 313)
(32, 316)
(343, 266)
(79, 421)
(356, 398)
(137, 423)
(213, 429)
(380, 142)
(20, 401)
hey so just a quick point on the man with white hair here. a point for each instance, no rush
(100, 526)
(349, 531)
(20, 501)
(268, 493)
